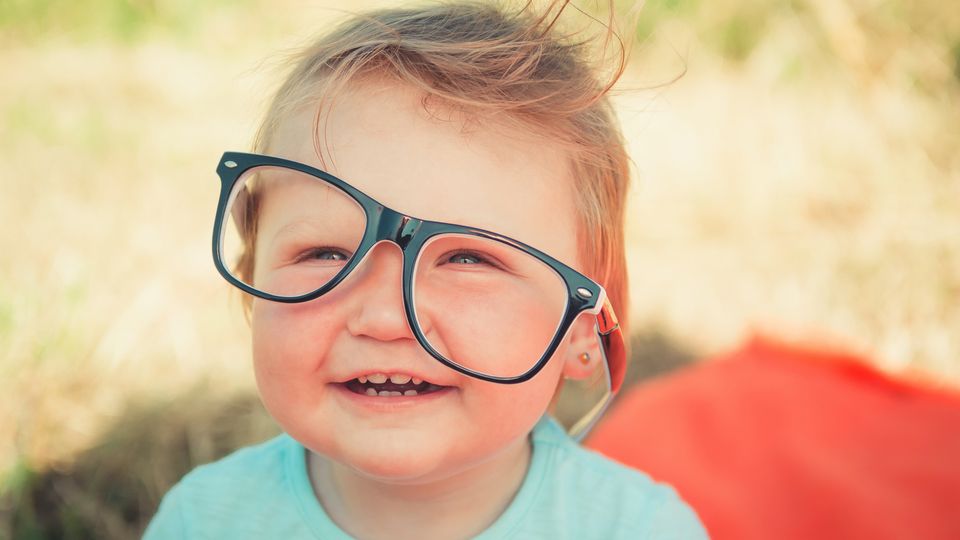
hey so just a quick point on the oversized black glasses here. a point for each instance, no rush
(289, 232)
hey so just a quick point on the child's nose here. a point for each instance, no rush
(376, 295)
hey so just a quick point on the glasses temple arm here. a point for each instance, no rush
(614, 348)
(614, 353)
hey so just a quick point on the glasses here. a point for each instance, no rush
(483, 304)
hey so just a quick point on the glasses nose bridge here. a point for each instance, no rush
(396, 227)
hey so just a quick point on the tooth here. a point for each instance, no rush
(399, 379)
(362, 379)
(371, 392)
(410, 393)
(377, 378)
(395, 394)
(384, 393)
(417, 381)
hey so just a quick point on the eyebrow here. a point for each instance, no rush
(294, 226)
(290, 227)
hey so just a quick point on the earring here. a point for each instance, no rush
(584, 358)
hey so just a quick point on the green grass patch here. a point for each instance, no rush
(106, 20)
(656, 11)
(955, 53)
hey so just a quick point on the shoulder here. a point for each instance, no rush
(236, 485)
(605, 499)
(253, 468)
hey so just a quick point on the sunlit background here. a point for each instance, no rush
(801, 180)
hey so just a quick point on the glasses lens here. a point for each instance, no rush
(288, 233)
(486, 305)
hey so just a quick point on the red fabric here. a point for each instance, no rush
(779, 442)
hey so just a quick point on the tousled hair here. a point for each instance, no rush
(488, 61)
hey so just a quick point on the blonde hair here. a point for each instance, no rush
(485, 60)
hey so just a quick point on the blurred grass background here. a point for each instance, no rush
(802, 179)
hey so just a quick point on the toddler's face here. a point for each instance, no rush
(385, 144)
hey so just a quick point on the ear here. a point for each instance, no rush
(582, 353)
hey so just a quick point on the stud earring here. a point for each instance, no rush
(584, 358)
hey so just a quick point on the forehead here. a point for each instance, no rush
(379, 137)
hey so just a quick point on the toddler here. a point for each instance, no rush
(430, 238)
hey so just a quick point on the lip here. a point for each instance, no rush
(390, 403)
(438, 381)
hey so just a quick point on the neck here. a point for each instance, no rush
(458, 506)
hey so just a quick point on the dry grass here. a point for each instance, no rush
(808, 188)
(826, 215)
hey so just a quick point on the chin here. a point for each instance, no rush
(395, 461)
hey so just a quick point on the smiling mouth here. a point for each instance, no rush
(390, 388)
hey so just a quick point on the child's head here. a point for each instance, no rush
(461, 114)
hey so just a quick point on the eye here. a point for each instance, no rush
(469, 255)
(466, 258)
(323, 254)
(470, 258)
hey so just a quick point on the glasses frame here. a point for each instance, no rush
(411, 234)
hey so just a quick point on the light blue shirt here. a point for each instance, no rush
(264, 491)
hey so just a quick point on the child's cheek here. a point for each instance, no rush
(290, 338)
(504, 405)
(290, 347)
